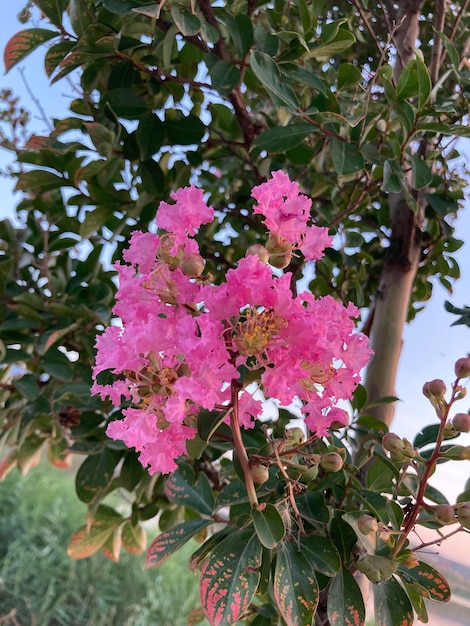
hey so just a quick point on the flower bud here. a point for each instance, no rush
(461, 422)
(294, 436)
(410, 561)
(445, 514)
(462, 367)
(280, 260)
(434, 388)
(367, 524)
(408, 450)
(381, 126)
(192, 264)
(331, 462)
(260, 473)
(463, 514)
(258, 250)
(393, 443)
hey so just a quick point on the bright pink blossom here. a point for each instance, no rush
(182, 341)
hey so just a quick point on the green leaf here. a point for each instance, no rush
(94, 220)
(172, 540)
(296, 589)
(185, 130)
(57, 365)
(198, 497)
(53, 9)
(369, 542)
(415, 593)
(392, 179)
(268, 525)
(341, 42)
(377, 568)
(346, 157)
(345, 601)
(224, 77)
(348, 75)
(125, 103)
(240, 29)
(23, 43)
(421, 173)
(392, 605)
(310, 79)
(188, 23)
(208, 422)
(436, 586)
(122, 7)
(230, 577)
(321, 553)
(27, 386)
(266, 70)
(95, 474)
(150, 135)
(282, 138)
(342, 535)
(424, 81)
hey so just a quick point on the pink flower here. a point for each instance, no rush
(187, 214)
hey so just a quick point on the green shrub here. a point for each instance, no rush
(41, 586)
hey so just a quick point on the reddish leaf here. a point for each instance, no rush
(230, 577)
(171, 540)
(23, 43)
(112, 546)
(295, 586)
(134, 538)
(434, 583)
(56, 54)
(392, 606)
(84, 543)
(345, 601)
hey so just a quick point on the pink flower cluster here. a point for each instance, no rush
(183, 341)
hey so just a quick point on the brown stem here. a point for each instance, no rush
(239, 447)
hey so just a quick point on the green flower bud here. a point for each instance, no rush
(310, 474)
(367, 524)
(260, 473)
(294, 436)
(331, 462)
(463, 514)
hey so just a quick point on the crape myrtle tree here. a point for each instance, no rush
(274, 143)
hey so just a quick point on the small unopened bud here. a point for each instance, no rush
(393, 443)
(445, 514)
(381, 125)
(294, 436)
(367, 524)
(410, 561)
(280, 260)
(463, 514)
(408, 450)
(260, 473)
(192, 264)
(462, 367)
(434, 388)
(461, 422)
(258, 250)
(331, 462)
